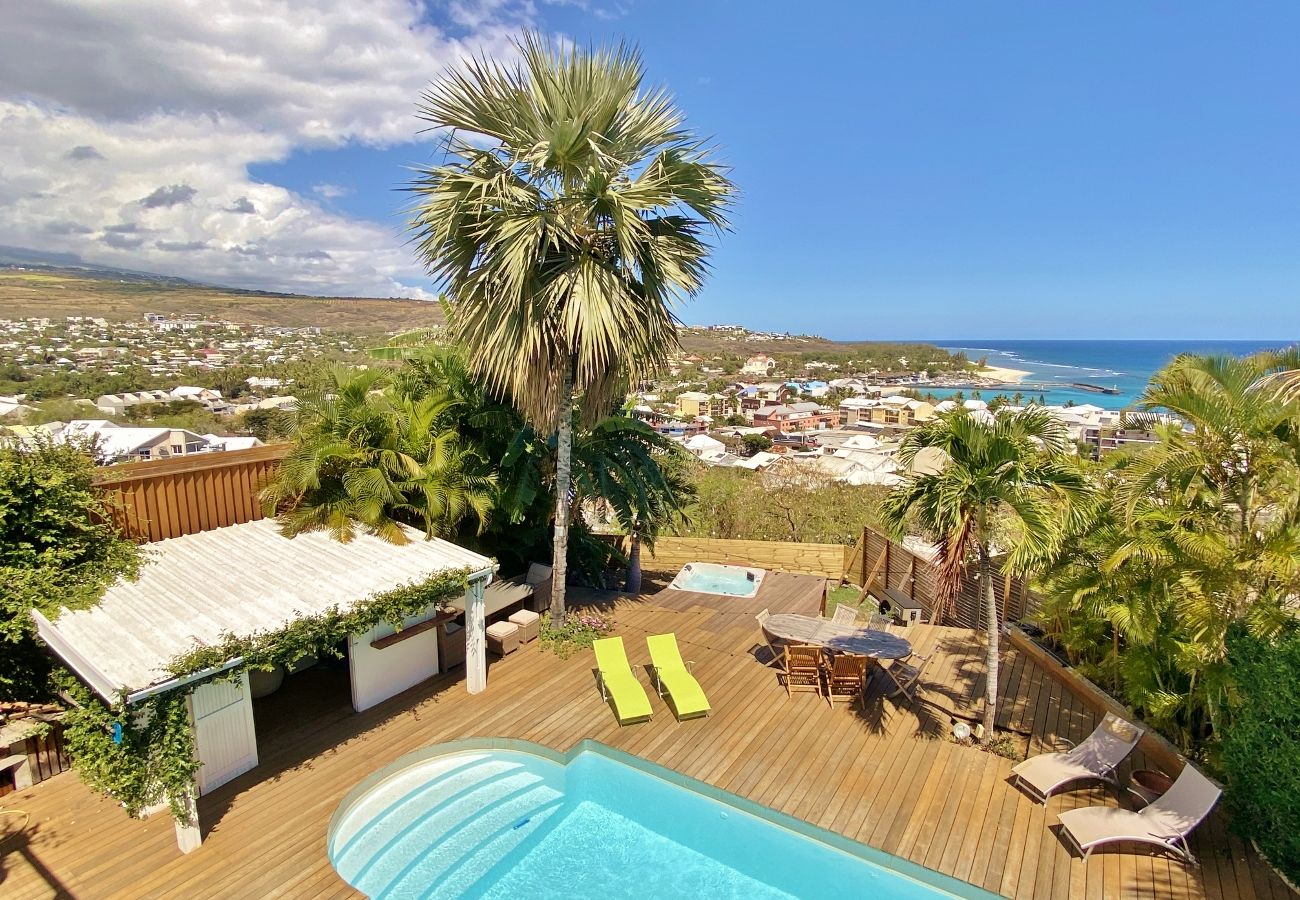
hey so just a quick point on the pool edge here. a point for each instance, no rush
(865, 852)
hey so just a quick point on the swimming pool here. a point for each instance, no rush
(712, 578)
(498, 819)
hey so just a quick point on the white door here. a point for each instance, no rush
(223, 731)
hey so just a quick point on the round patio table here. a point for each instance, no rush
(794, 629)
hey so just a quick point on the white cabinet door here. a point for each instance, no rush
(223, 731)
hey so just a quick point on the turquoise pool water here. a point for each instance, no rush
(713, 578)
(505, 821)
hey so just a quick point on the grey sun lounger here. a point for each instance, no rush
(1166, 823)
(1097, 757)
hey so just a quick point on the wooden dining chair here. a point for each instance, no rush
(846, 677)
(845, 615)
(774, 655)
(880, 622)
(906, 673)
(803, 668)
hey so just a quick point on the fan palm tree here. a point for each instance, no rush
(1007, 466)
(568, 218)
(374, 459)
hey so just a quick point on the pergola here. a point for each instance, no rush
(248, 579)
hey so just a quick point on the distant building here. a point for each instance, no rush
(797, 417)
(116, 404)
(857, 409)
(231, 441)
(701, 444)
(13, 407)
(758, 365)
(692, 404)
(117, 443)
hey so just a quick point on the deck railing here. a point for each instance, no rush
(879, 562)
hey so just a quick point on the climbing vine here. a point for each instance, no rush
(320, 634)
(142, 755)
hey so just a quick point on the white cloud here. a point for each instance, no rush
(129, 128)
(331, 191)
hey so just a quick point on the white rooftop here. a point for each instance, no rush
(240, 579)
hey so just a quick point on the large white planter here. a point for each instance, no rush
(260, 683)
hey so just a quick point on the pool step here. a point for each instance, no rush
(403, 788)
(442, 828)
(404, 804)
(458, 879)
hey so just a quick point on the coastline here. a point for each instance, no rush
(1002, 374)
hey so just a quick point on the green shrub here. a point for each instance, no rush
(56, 549)
(1260, 747)
(580, 630)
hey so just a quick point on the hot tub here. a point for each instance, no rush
(713, 578)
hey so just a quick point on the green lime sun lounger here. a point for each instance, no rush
(618, 683)
(673, 677)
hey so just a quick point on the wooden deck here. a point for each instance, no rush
(883, 776)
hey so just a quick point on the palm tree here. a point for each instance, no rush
(564, 227)
(1193, 536)
(375, 459)
(1282, 376)
(997, 469)
(1239, 455)
(1212, 509)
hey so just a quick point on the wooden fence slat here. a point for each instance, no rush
(162, 499)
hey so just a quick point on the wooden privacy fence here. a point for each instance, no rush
(878, 562)
(671, 553)
(152, 501)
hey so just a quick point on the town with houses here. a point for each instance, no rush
(179, 360)
(847, 426)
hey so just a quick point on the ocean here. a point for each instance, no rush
(1124, 365)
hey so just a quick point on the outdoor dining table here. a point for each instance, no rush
(796, 629)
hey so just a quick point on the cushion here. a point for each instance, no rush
(1124, 731)
(501, 630)
(524, 617)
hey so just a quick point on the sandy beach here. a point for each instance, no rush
(1007, 376)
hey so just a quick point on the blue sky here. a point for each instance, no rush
(932, 169)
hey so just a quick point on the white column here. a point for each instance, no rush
(189, 836)
(475, 637)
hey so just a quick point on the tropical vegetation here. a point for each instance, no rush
(1260, 748)
(1186, 540)
(1177, 585)
(569, 214)
(424, 444)
(375, 455)
(973, 478)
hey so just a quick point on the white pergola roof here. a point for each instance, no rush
(240, 579)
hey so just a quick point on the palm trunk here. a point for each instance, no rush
(994, 631)
(633, 583)
(563, 461)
